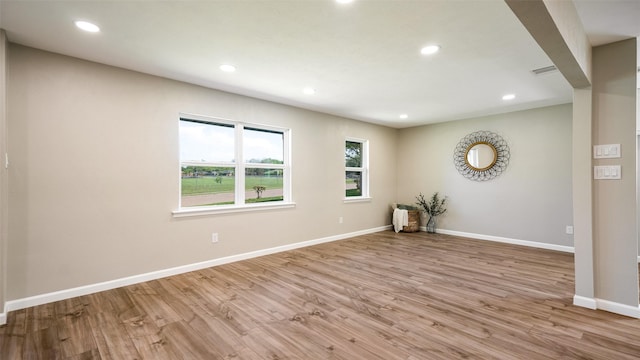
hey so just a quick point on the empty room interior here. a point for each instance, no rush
(218, 179)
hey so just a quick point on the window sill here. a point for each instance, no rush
(203, 211)
(357, 199)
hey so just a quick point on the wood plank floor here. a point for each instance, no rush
(378, 296)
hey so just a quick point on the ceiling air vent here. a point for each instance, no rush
(544, 70)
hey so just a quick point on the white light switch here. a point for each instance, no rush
(612, 172)
(606, 151)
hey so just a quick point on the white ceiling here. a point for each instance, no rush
(607, 21)
(363, 59)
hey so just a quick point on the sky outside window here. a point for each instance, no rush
(204, 142)
(201, 142)
(260, 145)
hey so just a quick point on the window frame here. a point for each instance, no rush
(363, 169)
(239, 165)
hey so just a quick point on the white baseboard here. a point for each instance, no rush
(535, 244)
(18, 304)
(606, 305)
(585, 302)
(569, 249)
(617, 308)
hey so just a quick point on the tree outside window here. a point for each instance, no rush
(356, 168)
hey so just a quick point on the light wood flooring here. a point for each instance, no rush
(378, 296)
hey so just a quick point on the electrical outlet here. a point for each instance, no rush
(569, 230)
(340, 220)
(214, 237)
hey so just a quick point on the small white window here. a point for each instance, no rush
(231, 165)
(356, 158)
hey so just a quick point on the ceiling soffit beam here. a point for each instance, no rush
(556, 27)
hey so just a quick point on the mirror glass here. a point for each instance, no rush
(481, 156)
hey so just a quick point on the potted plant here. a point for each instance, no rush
(435, 207)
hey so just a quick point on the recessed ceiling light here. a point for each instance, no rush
(227, 68)
(344, 1)
(431, 49)
(509, 97)
(403, 116)
(308, 91)
(87, 26)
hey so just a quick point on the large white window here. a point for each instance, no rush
(231, 166)
(356, 159)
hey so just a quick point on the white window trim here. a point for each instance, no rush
(359, 199)
(225, 209)
(366, 195)
(240, 167)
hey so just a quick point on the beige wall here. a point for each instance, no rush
(3, 171)
(566, 19)
(583, 195)
(530, 201)
(614, 201)
(94, 175)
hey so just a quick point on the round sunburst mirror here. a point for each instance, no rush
(481, 156)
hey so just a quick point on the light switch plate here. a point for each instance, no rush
(608, 151)
(611, 172)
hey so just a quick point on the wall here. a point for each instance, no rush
(614, 202)
(583, 198)
(3, 173)
(638, 106)
(95, 175)
(569, 25)
(531, 201)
